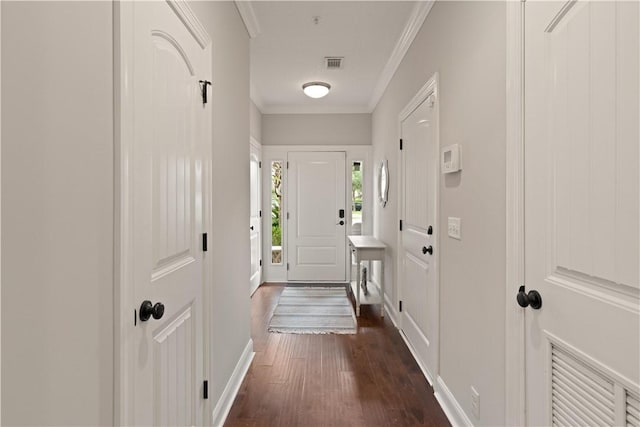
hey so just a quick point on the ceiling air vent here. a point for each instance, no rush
(333, 62)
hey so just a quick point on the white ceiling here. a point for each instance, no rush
(288, 49)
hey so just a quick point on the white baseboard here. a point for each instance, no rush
(450, 405)
(390, 309)
(423, 368)
(223, 406)
(253, 290)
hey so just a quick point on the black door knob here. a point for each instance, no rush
(427, 249)
(533, 298)
(251, 228)
(430, 230)
(341, 222)
(147, 310)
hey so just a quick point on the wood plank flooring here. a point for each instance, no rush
(367, 379)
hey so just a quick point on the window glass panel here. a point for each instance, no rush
(356, 197)
(276, 212)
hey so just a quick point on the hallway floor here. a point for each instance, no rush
(367, 379)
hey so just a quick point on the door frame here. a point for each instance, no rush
(515, 404)
(270, 153)
(429, 88)
(0, 211)
(253, 143)
(124, 302)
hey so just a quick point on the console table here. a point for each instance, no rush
(367, 248)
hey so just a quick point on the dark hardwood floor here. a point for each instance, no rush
(367, 379)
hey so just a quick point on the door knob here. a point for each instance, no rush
(533, 298)
(427, 249)
(147, 310)
(251, 228)
(340, 223)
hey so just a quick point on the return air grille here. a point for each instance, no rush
(579, 394)
(633, 410)
(333, 62)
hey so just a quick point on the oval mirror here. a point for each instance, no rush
(383, 182)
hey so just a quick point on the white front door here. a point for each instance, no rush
(255, 217)
(418, 251)
(169, 191)
(581, 213)
(317, 216)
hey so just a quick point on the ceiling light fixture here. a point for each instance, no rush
(316, 89)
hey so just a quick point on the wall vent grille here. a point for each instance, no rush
(333, 62)
(633, 410)
(580, 395)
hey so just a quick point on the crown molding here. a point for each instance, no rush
(248, 16)
(418, 15)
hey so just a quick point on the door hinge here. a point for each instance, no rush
(400, 225)
(135, 317)
(287, 165)
(203, 89)
(260, 263)
(259, 164)
(287, 215)
(401, 143)
(260, 213)
(204, 242)
(205, 389)
(287, 266)
(400, 306)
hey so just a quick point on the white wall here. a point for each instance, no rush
(465, 43)
(57, 213)
(230, 245)
(255, 122)
(316, 129)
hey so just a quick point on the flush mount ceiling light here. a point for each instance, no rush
(316, 89)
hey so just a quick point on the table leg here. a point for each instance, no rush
(357, 286)
(381, 288)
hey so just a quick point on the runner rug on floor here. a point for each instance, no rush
(313, 311)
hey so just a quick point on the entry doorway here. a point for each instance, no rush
(317, 216)
(349, 186)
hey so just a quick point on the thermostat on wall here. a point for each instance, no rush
(451, 159)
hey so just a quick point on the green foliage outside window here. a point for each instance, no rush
(276, 203)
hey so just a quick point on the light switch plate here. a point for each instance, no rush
(453, 227)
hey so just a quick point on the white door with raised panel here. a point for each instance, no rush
(316, 216)
(168, 190)
(255, 216)
(418, 211)
(581, 213)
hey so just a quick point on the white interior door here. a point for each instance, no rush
(419, 292)
(169, 162)
(255, 220)
(316, 232)
(581, 212)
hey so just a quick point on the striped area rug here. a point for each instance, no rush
(313, 310)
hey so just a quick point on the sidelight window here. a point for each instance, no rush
(276, 212)
(356, 196)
